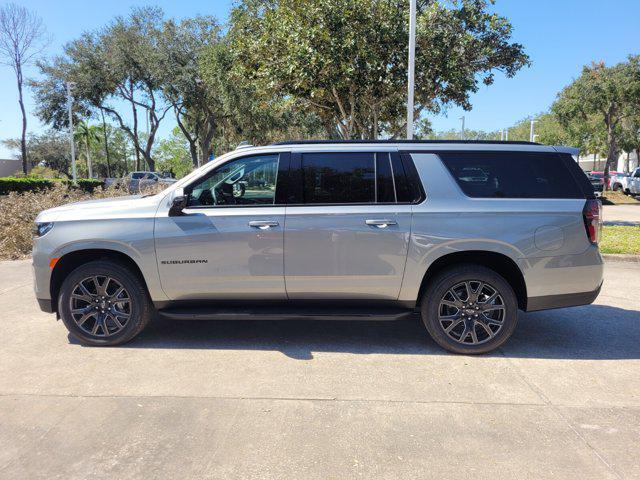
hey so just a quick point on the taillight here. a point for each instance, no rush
(592, 215)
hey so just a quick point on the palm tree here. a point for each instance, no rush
(87, 134)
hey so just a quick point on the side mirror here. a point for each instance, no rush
(178, 204)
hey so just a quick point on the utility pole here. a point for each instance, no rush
(71, 142)
(462, 128)
(531, 130)
(412, 67)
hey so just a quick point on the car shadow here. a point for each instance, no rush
(593, 332)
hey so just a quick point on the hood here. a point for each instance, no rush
(132, 206)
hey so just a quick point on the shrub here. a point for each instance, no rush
(88, 184)
(24, 184)
(38, 184)
(18, 212)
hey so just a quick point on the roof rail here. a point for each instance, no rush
(425, 142)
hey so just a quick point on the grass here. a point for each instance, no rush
(620, 239)
(619, 198)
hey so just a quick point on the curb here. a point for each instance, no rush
(616, 257)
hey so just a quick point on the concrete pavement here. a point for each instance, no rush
(319, 400)
(621, 214)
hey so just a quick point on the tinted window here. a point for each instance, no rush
(244, 181)
(511, 175)
(385, 192)
(338, 177)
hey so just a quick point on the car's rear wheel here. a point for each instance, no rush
(469, 309)
(103, 303)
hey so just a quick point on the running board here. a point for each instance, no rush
(284, 313)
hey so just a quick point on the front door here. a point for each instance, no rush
(229, 242)
(347, 236)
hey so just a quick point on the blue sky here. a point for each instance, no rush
(560, 36)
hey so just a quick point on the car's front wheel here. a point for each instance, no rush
(103, 303)
(469, 309)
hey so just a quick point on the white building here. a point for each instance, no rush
(9, 167)
(597, 162)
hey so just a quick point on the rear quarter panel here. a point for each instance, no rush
(545, 237)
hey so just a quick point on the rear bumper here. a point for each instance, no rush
(548, 302)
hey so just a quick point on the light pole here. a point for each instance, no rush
(531, 131)
(462, 128)
(412, 67)
(71, 142)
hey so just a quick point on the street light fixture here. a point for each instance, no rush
(462, 135)
(412, 67)
(71, 142)
(531, 130)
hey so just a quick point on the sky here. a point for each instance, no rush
(560, 36)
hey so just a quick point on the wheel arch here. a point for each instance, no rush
(72, 260)
(498, 262)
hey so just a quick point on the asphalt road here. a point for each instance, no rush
(312, 400)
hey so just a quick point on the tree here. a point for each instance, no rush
(244, 114)
(347, 61)
(196, 104)
(49, 149)
(173, 156)
(630, 139)
(122, 63)
(22, 38)
(87, 134)
(602, 97)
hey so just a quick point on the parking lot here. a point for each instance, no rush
(312, 400)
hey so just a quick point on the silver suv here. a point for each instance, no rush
(463, 233)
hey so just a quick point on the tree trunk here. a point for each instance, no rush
(612, 150)
(626, 166)
(89, 165)
(23, 138)
(106, 143)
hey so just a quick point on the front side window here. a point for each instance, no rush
(338, 178)
(244, 181)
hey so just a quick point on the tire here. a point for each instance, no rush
(82, 307)
(617, 187)
(500, 316)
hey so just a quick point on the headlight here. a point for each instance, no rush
(42, 228)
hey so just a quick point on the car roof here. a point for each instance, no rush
(404, 145)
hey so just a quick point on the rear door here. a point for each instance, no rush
(347, 226)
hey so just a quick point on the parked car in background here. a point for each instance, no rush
(633, 183)
(463, 234)
(597, 182)
(620, 182)
(137, 182)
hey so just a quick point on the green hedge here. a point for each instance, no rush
(33, 184)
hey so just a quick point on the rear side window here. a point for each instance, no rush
(338, 178)
(512, 175)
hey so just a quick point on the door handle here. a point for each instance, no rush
(384, 223)
(263, 224)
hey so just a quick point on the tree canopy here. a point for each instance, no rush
(597, 103)
(347, 61)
